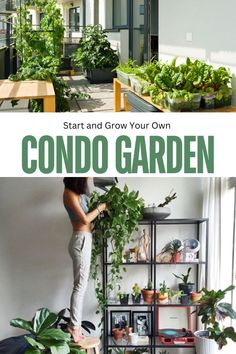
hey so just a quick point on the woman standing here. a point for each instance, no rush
(76, 202)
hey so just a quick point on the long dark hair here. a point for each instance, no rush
(76, 184)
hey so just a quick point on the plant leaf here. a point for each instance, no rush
(60, 349)
(43, 319)
(55, 334)
(34, 343)
(23, 324)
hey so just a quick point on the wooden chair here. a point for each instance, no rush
(90, 345)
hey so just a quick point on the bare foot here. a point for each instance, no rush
(76, 334)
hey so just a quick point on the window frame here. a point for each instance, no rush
(127, 25)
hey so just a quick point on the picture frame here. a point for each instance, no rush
(119, 319)
(142, 322)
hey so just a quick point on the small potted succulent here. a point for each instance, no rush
(186, 286)
(162, 294)
(148, 292)
(213, 311)
(136, 294)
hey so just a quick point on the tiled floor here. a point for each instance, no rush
(101, 95)
(100, 100)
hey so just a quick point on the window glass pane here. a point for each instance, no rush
(120, 13)
(74, 18)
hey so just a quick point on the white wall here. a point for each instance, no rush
(212, 25)
(35, 268)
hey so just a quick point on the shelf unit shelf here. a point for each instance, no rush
(201, 224)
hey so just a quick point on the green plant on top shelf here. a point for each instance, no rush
(168, 199)
(163, 352)
(184, 277)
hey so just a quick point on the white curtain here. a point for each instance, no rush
(218, 206)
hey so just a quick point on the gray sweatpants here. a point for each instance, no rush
(80, 248)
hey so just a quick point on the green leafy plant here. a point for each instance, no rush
(149, 285)
(213, 312)
(168, 199)
(63, 320)
(44, 338)
(116, 226)
(40, 52)
(129, 67)
(163, 288)
(95, 50)
(184, 277)
(136, 291)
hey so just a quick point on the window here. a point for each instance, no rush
(120, 13)
(74, 19)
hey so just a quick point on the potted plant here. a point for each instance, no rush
(174, 248)
(174, 295)
(213, 312)
(125, 70)
(196, 296)
(162, 294)
(136, 294)
(95, 55)
(159, 212)
(148, 292)
(124, 298)
(44, 338)
(185, 286)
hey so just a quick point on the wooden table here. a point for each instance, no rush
(29, 89)
(118, 85)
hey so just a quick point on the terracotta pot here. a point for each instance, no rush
(148, 295)
(176, 257)
(195, 297)
(162, 298)
(117, 333)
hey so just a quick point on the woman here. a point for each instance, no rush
(76, 202)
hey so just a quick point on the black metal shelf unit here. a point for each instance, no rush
(154, 340)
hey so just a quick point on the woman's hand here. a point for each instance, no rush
(102, 206)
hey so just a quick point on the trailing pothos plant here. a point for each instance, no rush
(43, 337)
(213, 311)
(116, 226)
(39, 50)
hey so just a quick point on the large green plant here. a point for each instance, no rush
(44, 338)
(40, 50)
(213, 311)
(116, 226)
(95, 50)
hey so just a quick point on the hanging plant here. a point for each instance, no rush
(116, 226)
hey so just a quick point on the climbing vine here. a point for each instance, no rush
(116, 225)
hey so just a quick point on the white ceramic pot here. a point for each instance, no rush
(205, 345)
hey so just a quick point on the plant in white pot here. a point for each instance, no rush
(213, 313)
